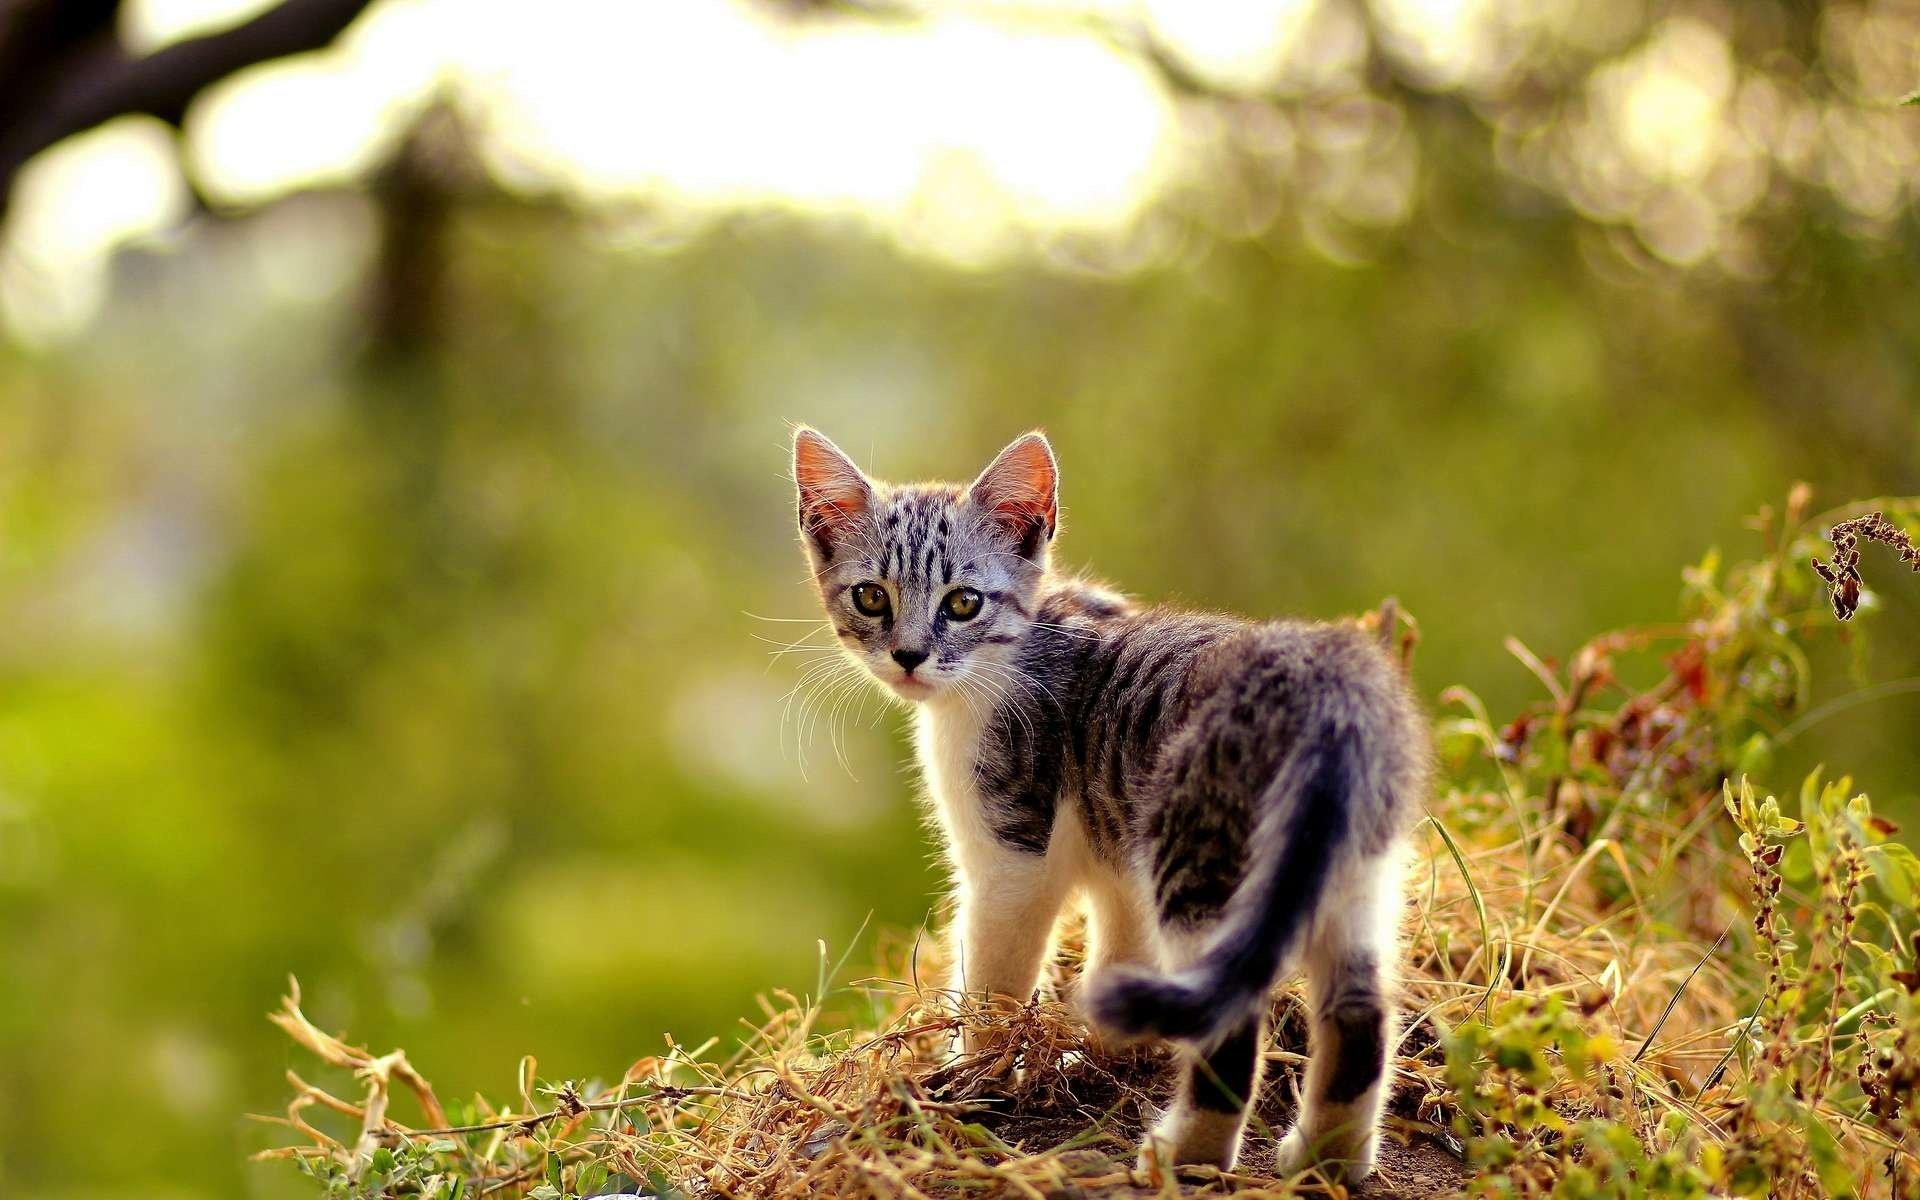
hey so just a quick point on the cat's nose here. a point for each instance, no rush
(909, 659)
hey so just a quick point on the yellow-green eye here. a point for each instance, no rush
(870, 599)
(961, 604)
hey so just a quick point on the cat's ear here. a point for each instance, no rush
(834, 496)
(1020, 489)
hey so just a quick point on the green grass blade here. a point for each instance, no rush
(1479, 908)
(1673, 1001)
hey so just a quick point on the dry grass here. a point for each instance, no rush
(796, 1111)
(1605, 996)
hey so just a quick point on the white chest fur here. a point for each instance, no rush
(947, 732)
(948, 736)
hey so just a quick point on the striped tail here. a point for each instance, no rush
(1308, 806)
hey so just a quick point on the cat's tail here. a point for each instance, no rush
(1303, 835)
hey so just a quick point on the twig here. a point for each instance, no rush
(98, 81)
(528, 1124)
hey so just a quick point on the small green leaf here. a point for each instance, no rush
(662, 1187)
(1911, 101)
(1479, 906)
(1797, 866)
(588, 1181)
(1810, 788)
(382, 1161)
(1896, 869)
(1827, 1162)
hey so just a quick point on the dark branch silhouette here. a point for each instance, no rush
(64, 71)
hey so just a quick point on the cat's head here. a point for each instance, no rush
(929, 586)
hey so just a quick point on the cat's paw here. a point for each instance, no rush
(1337, 1162)
(1101, 1043)
(1293, 1155)
(1198, 1138)
(979, 1063)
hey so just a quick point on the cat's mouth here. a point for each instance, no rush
(911, 688)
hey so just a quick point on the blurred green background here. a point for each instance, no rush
(384, 542)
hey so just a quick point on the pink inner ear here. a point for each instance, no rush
(1019, 486)
(832, 490)
(1026, 510)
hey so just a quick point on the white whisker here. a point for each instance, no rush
(824, 688)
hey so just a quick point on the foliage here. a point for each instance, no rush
(1824, 1103)
(1631, 974)
(1779, 1104)
(443, 699)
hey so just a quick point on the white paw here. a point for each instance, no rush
(1360, 1165)
(1292, 1155)
(1192, 1139)
(1337, 1161)
(1156, 1153)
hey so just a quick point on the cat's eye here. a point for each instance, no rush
(961, 604)
(870, 599)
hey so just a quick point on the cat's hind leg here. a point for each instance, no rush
(1215, 1090)
(1217, 1083)
(1119, 931)
(1349, 975)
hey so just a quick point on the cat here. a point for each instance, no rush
(1230, 797)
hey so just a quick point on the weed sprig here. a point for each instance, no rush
(1843, 573)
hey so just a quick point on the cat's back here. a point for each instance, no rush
(1320, 670)
(1111, 661)
(1260, 695)
(1101, 650)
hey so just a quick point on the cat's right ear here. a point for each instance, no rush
(834, 496)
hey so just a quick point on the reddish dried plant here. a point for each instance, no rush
(1843, 573)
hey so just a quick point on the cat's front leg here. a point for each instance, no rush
(1008, 904)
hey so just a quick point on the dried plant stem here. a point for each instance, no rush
(1842, 575)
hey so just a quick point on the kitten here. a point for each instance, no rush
(1229, 796)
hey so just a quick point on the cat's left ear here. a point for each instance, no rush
(1020, 489)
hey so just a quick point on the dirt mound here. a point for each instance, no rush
(1091, 1116)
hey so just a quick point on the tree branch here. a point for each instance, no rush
(37, 35)
(86, 78)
